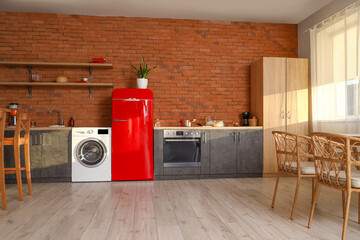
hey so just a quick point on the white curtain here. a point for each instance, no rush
(335, 69)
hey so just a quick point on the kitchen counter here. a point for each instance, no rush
(42, 128)
(209, 128)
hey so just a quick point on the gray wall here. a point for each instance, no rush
(327, 11)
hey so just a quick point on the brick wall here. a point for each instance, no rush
(203, 65)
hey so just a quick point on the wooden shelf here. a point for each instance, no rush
(31, 84)
(56, 64)
(56, 84)
(29, 65)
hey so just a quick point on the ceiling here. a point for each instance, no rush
(269, 11)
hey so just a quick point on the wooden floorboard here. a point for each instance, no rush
(230, 208)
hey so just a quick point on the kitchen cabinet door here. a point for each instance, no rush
(55, 161)
(250, 154)
(205, 152)
(223, 151)
(297, 96)
(158, 152)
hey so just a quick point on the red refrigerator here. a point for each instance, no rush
(132, 134)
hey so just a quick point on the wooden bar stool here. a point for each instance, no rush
(23, 124)
(2, 174)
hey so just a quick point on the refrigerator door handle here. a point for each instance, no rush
(120, 120)
(132, 100)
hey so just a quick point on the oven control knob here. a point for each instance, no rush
(186, 133)
(192, 133)
(172, 133)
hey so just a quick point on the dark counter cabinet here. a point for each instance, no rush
(224, 153)
(50, 156)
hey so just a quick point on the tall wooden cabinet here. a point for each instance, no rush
(279, 99)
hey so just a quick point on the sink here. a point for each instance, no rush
(57, 126)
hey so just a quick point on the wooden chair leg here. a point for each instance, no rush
(2, 180)
(18, 170)
(276, 187)
(346, 215)
(295, 198)
(27, 166)
(312, 189)
(317, 185)
(317, 193)
(343, 201)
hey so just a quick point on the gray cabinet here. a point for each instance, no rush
(236, 152)
(50, 155)
(223, 151)
(250, 154)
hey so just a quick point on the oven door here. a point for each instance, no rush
(182, 152)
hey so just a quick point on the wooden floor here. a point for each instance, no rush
(177, 209)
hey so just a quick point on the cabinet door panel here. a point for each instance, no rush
(274, 77)
(297, 95)
(205, 152)
(54, 154)
(222, 152)
(158, 152)
(250, 154)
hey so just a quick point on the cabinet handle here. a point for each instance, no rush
(204, 137)
(282, 115)
(289, 114)
(238, 137)
(234, 133)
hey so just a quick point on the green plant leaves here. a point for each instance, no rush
(142, 72)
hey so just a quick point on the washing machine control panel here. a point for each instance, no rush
(90, 131)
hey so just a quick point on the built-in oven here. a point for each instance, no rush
(182, 148)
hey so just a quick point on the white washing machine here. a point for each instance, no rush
(91, 154)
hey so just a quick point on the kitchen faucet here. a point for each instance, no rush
(61, 123)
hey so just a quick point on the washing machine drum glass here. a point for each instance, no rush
(91, 152)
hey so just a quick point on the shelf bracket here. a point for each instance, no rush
(90, 92)
(90, 71)
(30, 71)
(30, 91)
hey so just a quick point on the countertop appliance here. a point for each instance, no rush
(14, 109)
(182, 148)
(91, 154)
(132, 134)
(246, 116)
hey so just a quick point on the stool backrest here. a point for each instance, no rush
(22, 124)
(2, 126)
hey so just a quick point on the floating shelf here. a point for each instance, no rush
(30, 84)
(29, 65)
(53, 64)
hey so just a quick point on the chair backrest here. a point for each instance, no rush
(334, 155)
(2, 126)
(291, 149)
(22, 124)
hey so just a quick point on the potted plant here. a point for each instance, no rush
(142, 72)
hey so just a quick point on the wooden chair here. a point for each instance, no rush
(2, 174)
(336, 161)
(23, 124)
(293, 153)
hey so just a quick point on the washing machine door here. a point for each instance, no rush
(91, 152)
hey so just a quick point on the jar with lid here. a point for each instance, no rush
(157, 123)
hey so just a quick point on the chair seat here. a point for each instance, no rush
(306, 168)
(355, 177)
